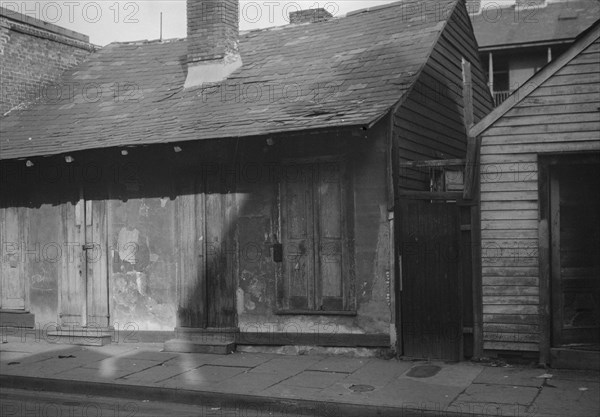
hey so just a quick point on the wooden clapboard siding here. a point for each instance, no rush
(430, 123)
(558, 115)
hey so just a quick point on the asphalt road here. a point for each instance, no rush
(22, 403)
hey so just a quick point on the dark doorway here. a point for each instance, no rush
(575, 254)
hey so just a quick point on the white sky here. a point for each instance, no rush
(106, 21)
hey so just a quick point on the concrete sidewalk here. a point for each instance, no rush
(306, 385)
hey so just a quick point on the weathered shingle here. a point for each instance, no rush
(343, 72)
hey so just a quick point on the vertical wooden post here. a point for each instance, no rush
(491, 73)
(549, 53)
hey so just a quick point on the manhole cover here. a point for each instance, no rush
(361, 388)
(423, 371)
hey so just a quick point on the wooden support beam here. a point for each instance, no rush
(428, 195)
(435, 163)
(471, 167)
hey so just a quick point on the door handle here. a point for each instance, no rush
(88, 246)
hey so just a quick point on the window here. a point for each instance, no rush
(315, 275)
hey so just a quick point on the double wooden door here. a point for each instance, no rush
(83, 300)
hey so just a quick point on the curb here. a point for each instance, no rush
(252, 404)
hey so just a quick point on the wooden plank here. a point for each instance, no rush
(511, 318)
(509, 234)
(557, 109)
(191, 278)
(543, 127)
(554, 223)
(517, 346)
(510, 309)
(510, 290)
(511, 328)
(540, 139)
(427, 195)
(508, 205)
(511, 300)
(509, 196)
(432, 163)
(511, 337)
(467, 94)
(509, 215)
(508, 280)
(572, 97)
(592, 144)
(472, 165)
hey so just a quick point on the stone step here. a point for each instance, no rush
(17, 318)
(215, 346)
(83, 337)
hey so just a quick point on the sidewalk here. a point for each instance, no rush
(306, 385)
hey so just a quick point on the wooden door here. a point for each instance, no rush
(430, 285)
(314, 236)
(84, 286)
(575, 254)
(12, 279)
(297, 290)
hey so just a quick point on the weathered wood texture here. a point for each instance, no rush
(432, 316)
(561, 115)
(430, 124)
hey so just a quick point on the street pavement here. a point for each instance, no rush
(261, 384)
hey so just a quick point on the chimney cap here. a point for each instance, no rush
(310, 16)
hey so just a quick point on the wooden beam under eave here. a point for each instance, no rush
(434, 163)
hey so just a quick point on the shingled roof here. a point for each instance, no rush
(498, 27)
(347, 71)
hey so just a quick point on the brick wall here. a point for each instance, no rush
(33, 54)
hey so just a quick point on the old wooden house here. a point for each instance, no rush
(540, 212)
(244, 186)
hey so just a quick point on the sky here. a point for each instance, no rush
(106, 21)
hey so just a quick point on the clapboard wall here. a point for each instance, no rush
(430, 122)
(557, 113)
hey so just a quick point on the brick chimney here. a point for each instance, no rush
(310, 16)
(212, 41)
(474, 6)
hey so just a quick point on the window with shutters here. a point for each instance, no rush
(315, 274)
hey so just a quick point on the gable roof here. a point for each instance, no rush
(555, 22)
(582, 42)
(343, 72)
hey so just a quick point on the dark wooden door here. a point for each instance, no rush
(575, 245)
(430, 284)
